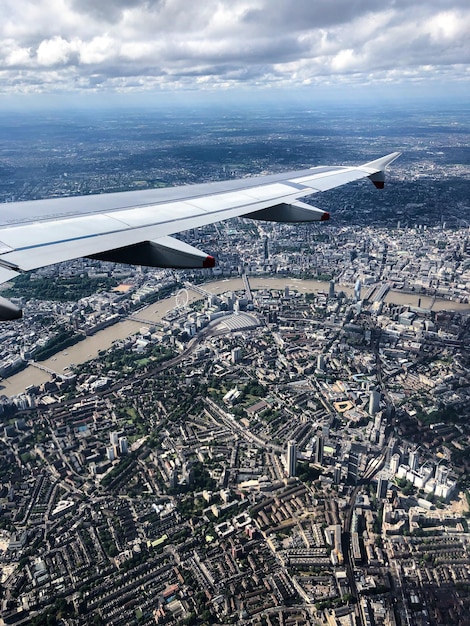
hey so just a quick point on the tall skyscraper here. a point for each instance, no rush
(414, 459)
(337, 474)
(123, 445)
(382, 486)
(236, 355)
(331, 292)
(173, 479)
(319, 450)
(374, 402)
(441, 474)
(390, 450)
(353, 467)
(291, 457)
(394, 463)
(378, 422)
(357, 290)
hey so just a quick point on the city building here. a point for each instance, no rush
(441, 474)
(357, 290)
(374, 402)
(236, 355)
(123, 445)
(414, 460)
(394, 463)
(337, 474)
(382, 486)
(353, 467)
(319, 445)
(291, 462)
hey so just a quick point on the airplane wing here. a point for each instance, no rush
(136, 226)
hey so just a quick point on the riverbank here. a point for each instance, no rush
(154, 313)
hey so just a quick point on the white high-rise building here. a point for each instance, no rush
(378, 421)
(236, 355)
(441, 474)
(394, 463)
(414, 459)
(357, 290)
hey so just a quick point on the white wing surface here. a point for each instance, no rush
(136, 226)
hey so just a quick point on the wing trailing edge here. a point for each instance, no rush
(293, 212)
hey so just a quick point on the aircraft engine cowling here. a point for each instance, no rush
(163, 252)
(9, 311)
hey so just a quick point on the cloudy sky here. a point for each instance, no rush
(106, 46)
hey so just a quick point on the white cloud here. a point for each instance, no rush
(447, 25)
(98, 50)
(14, 56)
(54, 51)
(131, 44)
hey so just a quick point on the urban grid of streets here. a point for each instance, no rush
(156, 488)
(286, 445)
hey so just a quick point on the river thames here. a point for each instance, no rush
(90, 347)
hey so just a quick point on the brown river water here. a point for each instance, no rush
(102, 340)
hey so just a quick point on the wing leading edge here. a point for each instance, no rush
(136, 227)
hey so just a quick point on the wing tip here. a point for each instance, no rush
(380, 164)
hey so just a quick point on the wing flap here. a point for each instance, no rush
(294, 212)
